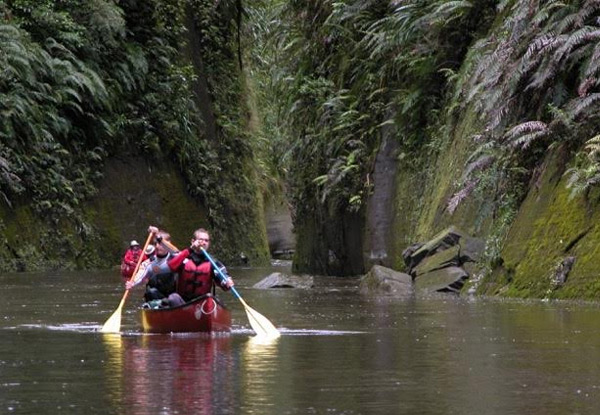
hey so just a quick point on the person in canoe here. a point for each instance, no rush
(130, 259)
(196, 275)
(155, 271)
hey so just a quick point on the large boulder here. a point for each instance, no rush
(439, 264)
(443, 259)
(280, 280)
(385, 280)
(450, 279)
(469, 249)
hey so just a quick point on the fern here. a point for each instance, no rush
(580, 106)
(456, 199)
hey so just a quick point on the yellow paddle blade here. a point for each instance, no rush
(260, 324)
(113, 324)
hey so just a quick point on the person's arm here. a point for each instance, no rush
(175, 262)
(226, 283)
(143, 274)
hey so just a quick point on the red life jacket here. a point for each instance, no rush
(194, 280)
(129, 262)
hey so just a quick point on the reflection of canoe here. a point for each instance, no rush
(204, 314)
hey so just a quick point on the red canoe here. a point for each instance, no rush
(204, 314)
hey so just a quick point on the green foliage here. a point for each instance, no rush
(344, 70)
(82, 81)
(535, 86)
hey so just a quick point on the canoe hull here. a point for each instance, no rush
(204, 314)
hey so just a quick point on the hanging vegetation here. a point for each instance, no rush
(344, 70)
(535, 88)
(84, 81)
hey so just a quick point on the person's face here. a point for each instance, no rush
(201, 240)
(161, 250)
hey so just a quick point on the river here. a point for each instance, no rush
(339, 353)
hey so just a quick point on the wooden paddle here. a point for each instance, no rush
(113, 324)
(260, 324)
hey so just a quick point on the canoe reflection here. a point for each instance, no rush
(170, 374)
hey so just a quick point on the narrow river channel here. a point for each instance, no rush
(339, 353)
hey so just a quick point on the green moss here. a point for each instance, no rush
(549, 227)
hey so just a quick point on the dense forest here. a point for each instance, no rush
(484, 111)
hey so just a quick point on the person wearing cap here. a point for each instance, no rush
(130, 259)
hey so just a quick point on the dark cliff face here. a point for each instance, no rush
(136, 193)
(133, 194)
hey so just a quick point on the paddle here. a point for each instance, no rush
(113, 324)
(260, 324)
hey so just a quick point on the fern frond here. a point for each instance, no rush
(592, 147)
(448, 11)
(526, 127)
(525, 140)
(576, 39)
(586, 10)
(585, 85)
(592, 66)
(481, 163)
(578, 106)
(547, 11)
(461, 195)
(540, 46)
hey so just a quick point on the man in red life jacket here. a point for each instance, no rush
(196, 274)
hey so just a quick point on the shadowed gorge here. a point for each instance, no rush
(371, 126)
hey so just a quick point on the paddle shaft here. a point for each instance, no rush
(221, 274)
(137, 266)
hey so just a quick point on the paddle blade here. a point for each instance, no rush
(113, 324)
(260, 324)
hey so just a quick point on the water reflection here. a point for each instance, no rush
(339, 353)
(171, 374)
(114, 368)
(260, 370)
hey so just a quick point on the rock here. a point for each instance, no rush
(407, 254)
(443, 240)
(449, 279)
(446, 258)
(381, 279)
(561, 272)
(280, 280)
(464, 249)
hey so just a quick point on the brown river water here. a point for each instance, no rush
(339, 353)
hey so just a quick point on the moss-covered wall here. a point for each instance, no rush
(137, 193)
(440, 182)
(134, 194)
(550, 227)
